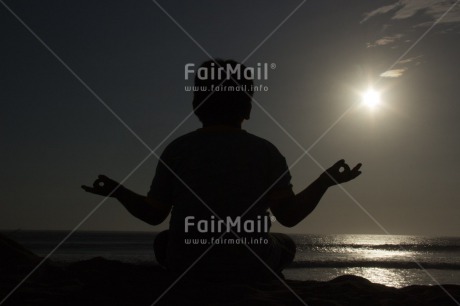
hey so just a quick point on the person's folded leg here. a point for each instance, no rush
(159, 247)
(282, 252)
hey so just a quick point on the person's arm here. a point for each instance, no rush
(144, 208)
(291, 209)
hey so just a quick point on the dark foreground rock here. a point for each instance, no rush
(104, 282)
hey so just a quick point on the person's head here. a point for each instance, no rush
(224, 93)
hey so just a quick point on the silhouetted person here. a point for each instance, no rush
(230, 171)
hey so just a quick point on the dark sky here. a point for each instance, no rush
(56, 135)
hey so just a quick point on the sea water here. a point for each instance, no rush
(392, 260)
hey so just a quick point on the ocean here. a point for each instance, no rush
(392, 260)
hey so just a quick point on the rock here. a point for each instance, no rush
(12, 254)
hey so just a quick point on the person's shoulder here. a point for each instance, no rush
(184, 138)
(180, 141)
(263, 142)
(258, 139)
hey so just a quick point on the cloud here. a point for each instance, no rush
(385, 41)
(394, 73)
(408, 60)
(407, 8)
(382, 10)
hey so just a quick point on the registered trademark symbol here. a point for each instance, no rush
(272, 65)
(272, 218)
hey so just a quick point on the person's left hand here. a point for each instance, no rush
(340, 173)
(103, 186)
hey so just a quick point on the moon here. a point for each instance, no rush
(371, 98)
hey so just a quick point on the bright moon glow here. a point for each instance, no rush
(371, 98)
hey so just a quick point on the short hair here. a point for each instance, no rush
(220, 98)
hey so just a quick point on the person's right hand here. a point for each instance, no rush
(103, 186)
(340, 173)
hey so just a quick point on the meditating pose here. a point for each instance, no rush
(219, 183)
